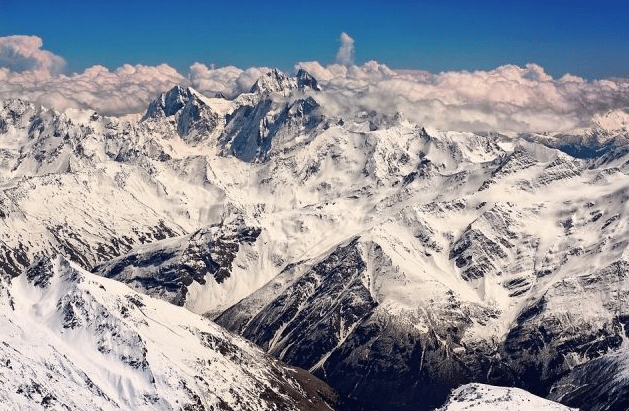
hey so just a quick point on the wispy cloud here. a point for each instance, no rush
(345, 54)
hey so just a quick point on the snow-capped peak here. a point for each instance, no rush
(13, 112)
(172, 101)
(277, 82)
(306, 80)
(185, 108)
(615, 120)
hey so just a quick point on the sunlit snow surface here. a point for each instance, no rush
(73, 340)
(479, 397)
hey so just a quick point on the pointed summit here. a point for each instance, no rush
(306, 80)
(277, 82)
(273, 82)
(171, 102)
(189, 109)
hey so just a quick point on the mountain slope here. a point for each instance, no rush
(470, 270)
(195, 271)
(72, 339)
(597, 385)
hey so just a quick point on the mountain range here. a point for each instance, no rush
(385, 266)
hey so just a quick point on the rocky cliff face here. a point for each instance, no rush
(169, 269)
(600, 384)
(183, 112)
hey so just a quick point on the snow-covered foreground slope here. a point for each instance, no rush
(73, 340)
(481, 397)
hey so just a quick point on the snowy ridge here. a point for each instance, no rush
(607, 132)
(72, 339)
(487, 398)
(277, 82)
(195, 271)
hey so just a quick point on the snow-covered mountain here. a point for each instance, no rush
(394, 262)
(73, 340)
(193, 270)
(466, 266)
(188, 113)
(607, 131)
(276, 82)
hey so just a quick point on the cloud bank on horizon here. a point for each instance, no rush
(507, 98)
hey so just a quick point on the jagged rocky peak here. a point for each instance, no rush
(186, 109)
(306, 80)
(277, 82)
(303, 107)
(16, 106)
(377, 120)
(272, 82)
(253, 131)
(13, 112)
(171, 102)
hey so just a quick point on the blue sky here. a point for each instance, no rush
(586, 39)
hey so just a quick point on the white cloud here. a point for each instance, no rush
(508, 98)
(230, 81)
(127, 89)
(29, 72)
(249, 77)
(210, 80)
(345, 55)
(24, 54)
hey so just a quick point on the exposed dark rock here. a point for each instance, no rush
(168, 272)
